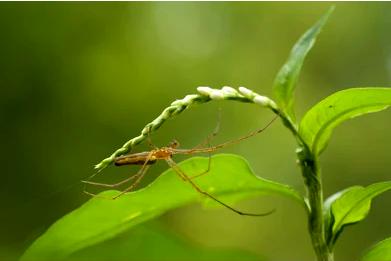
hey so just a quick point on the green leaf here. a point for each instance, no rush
(100, 219)
(349, 207)
(154, 243)
(286, 79)
(379, 252)
(328, 216)
(319, 122)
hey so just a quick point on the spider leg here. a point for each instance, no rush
(207, 141)
(141, 171)
(207, 170)
(149, 140)
(211, 136)
(140, 176)
(173, 165)
(95, 195)
(135, 183)
(110, 185)
(222, 145)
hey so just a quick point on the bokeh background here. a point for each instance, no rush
(79, 79)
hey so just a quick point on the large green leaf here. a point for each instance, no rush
(286, 79)
(379, 252)
(100, 219)
(151, 242)
(319, 122)
(350, 206)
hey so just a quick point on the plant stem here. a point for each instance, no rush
(312, 179)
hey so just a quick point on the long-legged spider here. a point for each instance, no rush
(148, 158)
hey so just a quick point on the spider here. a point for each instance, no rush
(148, 158)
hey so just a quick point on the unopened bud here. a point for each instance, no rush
(262, 100)
(229, 91)
(204, 90)
(246, 92)
(216, 95)
(189, 98)
(177, 102)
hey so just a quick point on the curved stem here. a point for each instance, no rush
(206, 94)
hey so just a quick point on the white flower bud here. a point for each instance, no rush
(246, 92)
(145, 131)
(165, 115)
(189, 98)
(216, 95)
(229, 91)
(177, 102)
(272, 105)
(204, 90)
(262, 100)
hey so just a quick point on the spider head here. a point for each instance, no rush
(174, 144)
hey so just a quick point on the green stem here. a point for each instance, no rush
(313, 182)
(316, 226)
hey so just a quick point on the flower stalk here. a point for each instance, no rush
(308, 163)
(205, 95)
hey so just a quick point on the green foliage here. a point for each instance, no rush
(101, 226)
(286, 79)
(350, 206)
(150, 242)
(318, 123)
(100, 219)
(380, 252)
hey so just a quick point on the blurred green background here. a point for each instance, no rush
(78, 80)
